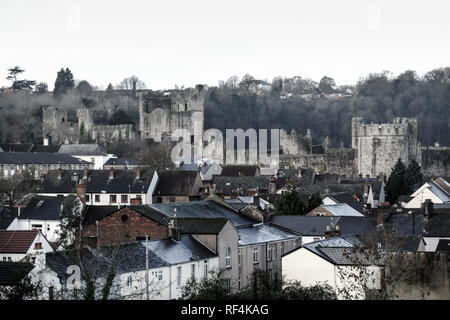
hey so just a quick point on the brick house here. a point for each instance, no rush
(109, 225)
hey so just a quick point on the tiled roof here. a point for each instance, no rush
(317, 225)
(176, 183)
(130, 256)
(201, 226)
(201, 209)
(11, 273)
(16, 241)
(345, 197)
(341, 209)
(42, 208)
(16, 147)
(120, 162)
(39, 158)
(82, 149)
(123, 181)
(237, 171)
(43, 148)
(7, 215)
(263, 233)
(226, 184)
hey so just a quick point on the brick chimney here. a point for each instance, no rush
(138, 173)
(337, 231)
(256, 200)
(111, 173)
(81, 192)
(379, 216)
(427, 208)
(328, 232)
(135, 202)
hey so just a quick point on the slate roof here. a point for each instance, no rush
(226, 184)
(131, 256)
(42, 208)
(16, 241)
(317, 225)
(176, 183)
(341, 209)
(39, 158)
(439, 192)
(120, 162)
(124, 181)
(345, 197)
(438, 225)
(201, 209)
(43, 148)
(443, 184)
(11, 273)
(443, 246)
(262, 234)
(7, 215)
(16, 147)
(96, 213)
(405, 224)
(82, 149)
(201, 226)
(240, 170)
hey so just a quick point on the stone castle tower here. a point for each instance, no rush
(57, 127)
(378, 146)
(161, 112)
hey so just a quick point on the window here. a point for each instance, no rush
(228, 258)
(113, 198)
(51, 293)
(274, 254)
(160, 275)
(282, 248)
(88, 198)
(36, 227)
(239, 257)
(48, 227)
(97, 198)
(129, 281)
(193, 271)
(205, 264)
(4, 258)
(38, 246)
(228, 281)
(178, 276)
(269, 252)
(9, 259)
(172, 199)
(255, 255)
(124, 198)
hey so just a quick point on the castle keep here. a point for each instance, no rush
(160, 113)
(378, 146)
(374, 152)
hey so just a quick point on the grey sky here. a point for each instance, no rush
(202, 41)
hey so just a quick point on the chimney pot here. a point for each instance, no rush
(111, 173)
(138, 173)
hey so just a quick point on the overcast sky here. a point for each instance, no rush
(168, 42)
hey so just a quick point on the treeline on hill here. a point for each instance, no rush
(235, 104)
(377, 97)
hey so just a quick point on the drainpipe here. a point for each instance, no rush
(146, 266)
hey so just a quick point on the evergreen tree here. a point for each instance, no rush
(289, 203)
(64, 81)
(413, 176)
(314, 201)
(395, 185)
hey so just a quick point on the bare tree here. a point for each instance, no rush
(132, 83)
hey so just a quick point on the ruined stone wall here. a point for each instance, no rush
(162, 113)
(294, 144)
(111, 133)
(436, 161)
(56, 127)
(380, 145)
